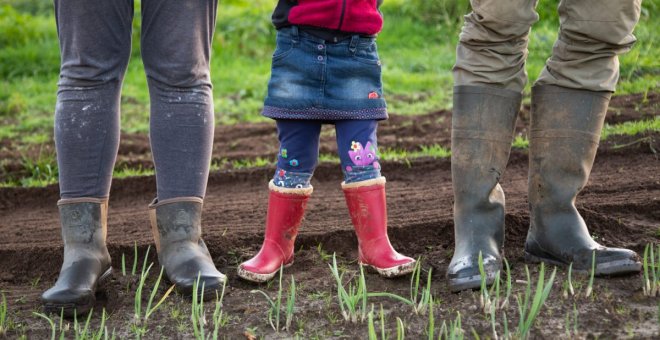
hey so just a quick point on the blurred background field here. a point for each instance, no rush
(417, 48)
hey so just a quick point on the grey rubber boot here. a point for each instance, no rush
(483, 123)
(177, 229)
(565, 131)
(86, 259)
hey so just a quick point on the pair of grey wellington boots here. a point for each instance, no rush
(176, 225)
(564, 134)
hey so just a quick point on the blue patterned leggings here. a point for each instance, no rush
(299, 151)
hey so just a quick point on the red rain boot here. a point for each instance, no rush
(368, 209)
(286, 208)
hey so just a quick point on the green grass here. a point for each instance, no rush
(416, 45)
(631, 128)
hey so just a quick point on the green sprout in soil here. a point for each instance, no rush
(421, 306)
(431, 327)
(492, 299)
(290, 303)
(322, 253)
(3, 315)
(590, 286)
(275, 305)
(373, 335)
(53, 329)
(123, 264)
(198, 312)
(135, 258)
(493, 323)
(529, 307)
(651, 263)
(135, 261)
(505, 302)
(453, 331)
(141, 316)
(520, 142)
(371, 328)
(352, 302)
(568, 284)
(400, 329)
(81, 331)
(484, 295)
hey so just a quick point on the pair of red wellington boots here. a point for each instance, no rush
(367, 207)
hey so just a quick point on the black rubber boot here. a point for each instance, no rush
(565, 130)
(177, 229)
(86, 258)
(483, 123)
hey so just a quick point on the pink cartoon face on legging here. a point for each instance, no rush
(363, 156)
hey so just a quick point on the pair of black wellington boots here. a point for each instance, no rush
(176, 225)
(563, 139)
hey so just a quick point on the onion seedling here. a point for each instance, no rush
(3, 315)
(352, 302)
(275, 305)
(591, 275)
(530, 309)
(651, 286)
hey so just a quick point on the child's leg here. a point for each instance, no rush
(299, 152)
(364, 189)
(289, 193)
(357, 146)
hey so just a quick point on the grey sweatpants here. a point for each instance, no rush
(492, 46)
(95, 46)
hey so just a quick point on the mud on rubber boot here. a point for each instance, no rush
(286, 208)
(86, 259)
(564, 135)
(368, 209)
(483, 123)
(176, 226)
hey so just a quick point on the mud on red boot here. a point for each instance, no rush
(368, 209)
(286, 208)
(86, 259)
(176, 226)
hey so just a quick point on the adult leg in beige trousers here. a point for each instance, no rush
(569, 101)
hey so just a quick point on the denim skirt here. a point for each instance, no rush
(312, 78)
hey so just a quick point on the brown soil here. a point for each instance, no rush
(621, 205)
(251, 141)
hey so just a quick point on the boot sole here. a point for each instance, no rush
(395, 271)
(620, 267)
(208, 294)
(72, 309)
(257, 277)
(469, 283)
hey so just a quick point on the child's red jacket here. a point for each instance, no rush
(350, 16)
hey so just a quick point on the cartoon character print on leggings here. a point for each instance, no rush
(365, 162)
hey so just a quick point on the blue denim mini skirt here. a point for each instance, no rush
(316, 79)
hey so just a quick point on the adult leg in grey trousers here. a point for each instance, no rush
(95, 45)
(569, 102)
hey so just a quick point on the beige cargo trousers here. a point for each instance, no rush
(569, 104)
(492, 46)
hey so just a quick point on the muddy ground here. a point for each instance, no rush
(621, 205)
